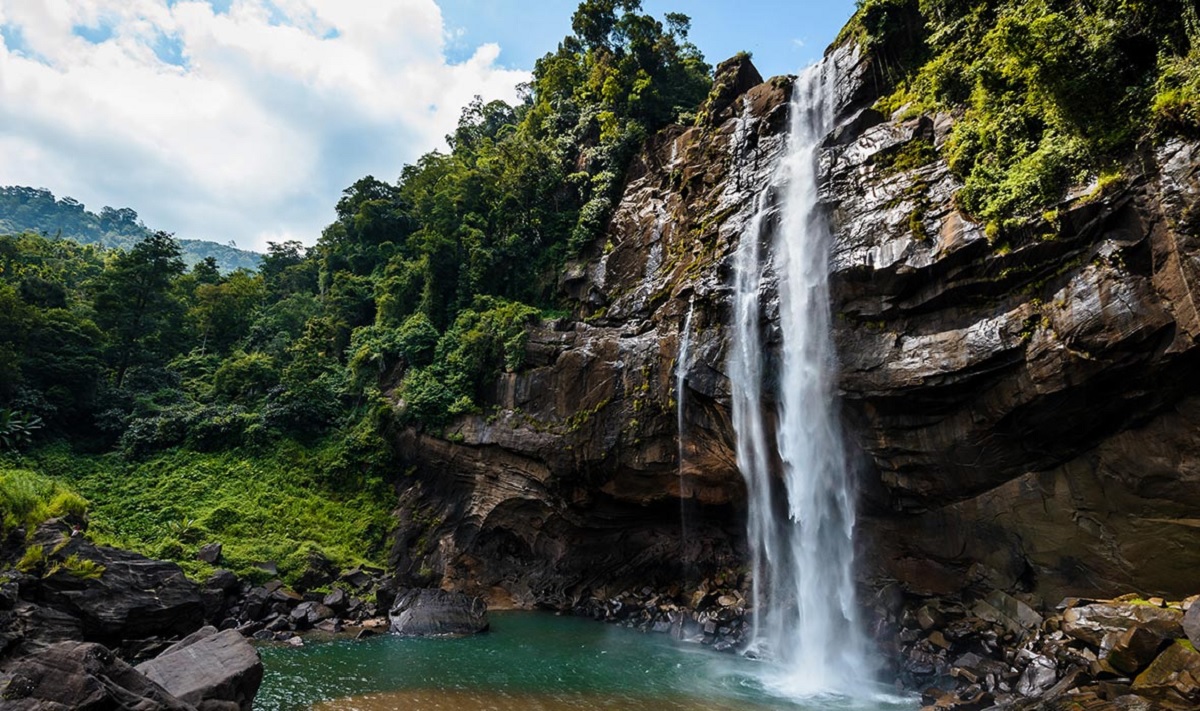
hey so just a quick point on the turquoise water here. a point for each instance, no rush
(529, 661)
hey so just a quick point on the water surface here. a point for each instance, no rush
(528, 662)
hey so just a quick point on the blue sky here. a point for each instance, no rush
(784, 36)
(243, 120)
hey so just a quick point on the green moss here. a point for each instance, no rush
(906, 156)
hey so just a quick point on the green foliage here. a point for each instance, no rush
(1048, 93)
(17, 428)
(27, 499)
(482, 341)
(245, 377)
(33, 561)
(260, 504)
(1177, 95)
(134, 303)
(78, 567)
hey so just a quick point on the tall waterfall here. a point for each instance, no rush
(681, 366)
(801, 493)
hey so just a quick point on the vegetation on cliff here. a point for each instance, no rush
(253, 408)
(1047, 94)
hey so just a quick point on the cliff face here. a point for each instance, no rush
(1024, 409)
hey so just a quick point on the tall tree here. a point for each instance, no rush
(134, 304)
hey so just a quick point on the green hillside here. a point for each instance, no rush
(25, 209)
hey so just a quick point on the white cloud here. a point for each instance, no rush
(244, 124)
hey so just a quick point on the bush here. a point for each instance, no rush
(483, 340)
(1048, 93)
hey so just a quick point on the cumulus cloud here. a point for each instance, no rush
(227, 119)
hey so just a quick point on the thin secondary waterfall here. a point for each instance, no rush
(801, 493)
(681, 366)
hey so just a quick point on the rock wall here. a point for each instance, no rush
(1023, 407)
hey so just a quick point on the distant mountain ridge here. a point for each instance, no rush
(24, 209)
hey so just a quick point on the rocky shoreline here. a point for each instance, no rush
(989, 651)
(75, 619)
(132, 634)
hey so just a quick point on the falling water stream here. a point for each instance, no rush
(681, 366)
(801, 494)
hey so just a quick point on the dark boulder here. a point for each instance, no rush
(209, 553)
(127, 596)
(209, 669)
(320, 571)
(81, 676)
(336, 600)
(222, 579)
(428, 612)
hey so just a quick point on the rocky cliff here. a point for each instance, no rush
(1022, 407)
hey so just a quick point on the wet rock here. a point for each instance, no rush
(428, 612)
(209, 667)
(133, 598)
(1129, 652)
(1191, 624)
(222, 579)
(1039, 676)
(336, 600)
(1090, 623)
(356, 578)
(83, 676)
(1173, 678)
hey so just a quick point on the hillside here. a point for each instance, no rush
(25, 209)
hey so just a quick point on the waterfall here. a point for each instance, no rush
(681, 365)
(800, 490)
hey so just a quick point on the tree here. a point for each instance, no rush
(134, 305)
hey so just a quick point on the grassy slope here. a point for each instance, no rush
(260, 505)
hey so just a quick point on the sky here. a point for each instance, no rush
(243, 120)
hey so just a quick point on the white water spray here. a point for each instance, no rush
(801, 493)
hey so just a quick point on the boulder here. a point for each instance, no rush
(356, 578)
(222, 579)
(1039, 676)
(320, 571)
(209, 553)
(1090, 623)
(209, 668)
(430, 612)
(1131, 651)
(336, 599)
(82, 676)
(1173, 678)
(1191, 624)
(133, 598)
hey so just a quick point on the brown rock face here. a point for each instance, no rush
(1024, 408)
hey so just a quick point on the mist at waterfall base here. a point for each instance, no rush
(800, 490)
(529, 661)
